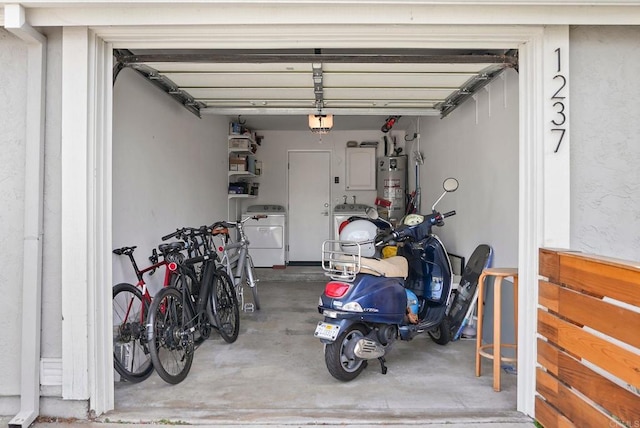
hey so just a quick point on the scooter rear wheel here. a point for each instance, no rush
(339, 357)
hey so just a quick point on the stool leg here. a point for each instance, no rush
(479, 323)
(515, 314)
(497, 333)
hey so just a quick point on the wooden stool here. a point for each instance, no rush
(492, 350)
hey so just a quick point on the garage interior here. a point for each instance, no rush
(272, 93)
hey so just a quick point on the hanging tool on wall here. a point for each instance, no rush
(389, 122)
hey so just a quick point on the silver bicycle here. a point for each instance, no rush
(236, 260)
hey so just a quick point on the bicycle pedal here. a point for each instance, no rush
(249, 307)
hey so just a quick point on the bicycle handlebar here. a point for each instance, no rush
(172, 235)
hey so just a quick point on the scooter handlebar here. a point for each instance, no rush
(449, 214)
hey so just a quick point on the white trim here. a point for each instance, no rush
(309, 12)
(530, 215)
(528, 39)
(100, 364)
(557, 206)
(86, 219)
(76, 214)
(15, 22)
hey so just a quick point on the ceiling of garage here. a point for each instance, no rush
(356, 84)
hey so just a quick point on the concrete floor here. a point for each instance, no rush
(275, 375)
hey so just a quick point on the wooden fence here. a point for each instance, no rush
(588, 346)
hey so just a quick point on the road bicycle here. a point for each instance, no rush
(182, 316)
(131, 357)
(237, 262)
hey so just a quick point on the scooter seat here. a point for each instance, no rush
(395, 267)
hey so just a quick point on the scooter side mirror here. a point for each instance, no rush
(372, 213)
(450, 184)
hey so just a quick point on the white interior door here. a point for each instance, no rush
(309, 198)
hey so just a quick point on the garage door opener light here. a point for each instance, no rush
(320, 123)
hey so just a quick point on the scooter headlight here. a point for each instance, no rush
(352, 307)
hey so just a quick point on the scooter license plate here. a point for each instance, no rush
(328, 331)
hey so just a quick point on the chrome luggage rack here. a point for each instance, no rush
(338, 263)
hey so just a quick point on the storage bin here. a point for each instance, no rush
(239, 143)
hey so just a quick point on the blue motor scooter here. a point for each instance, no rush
(370, 302)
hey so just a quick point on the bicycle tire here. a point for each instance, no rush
(172, 345)
(131, 356)
(223, 308)
(254, 289)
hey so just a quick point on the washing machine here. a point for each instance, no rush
(266, 235)
(342, 212)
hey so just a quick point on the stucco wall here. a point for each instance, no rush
(13, 80)
(605, 141)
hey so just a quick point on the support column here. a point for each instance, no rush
(75, 213)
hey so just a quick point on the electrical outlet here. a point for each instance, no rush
(336, 180)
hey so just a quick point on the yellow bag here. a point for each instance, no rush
(389, 251)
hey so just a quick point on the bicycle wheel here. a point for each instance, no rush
(223, 308)
(172, 344)
(131, 357)
(251, 279)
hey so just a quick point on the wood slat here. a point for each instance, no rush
(549, 417)
(614, 278)
(612, 320)
(615, 399)
(547, 296)
(620, 362)
(549, 263)
(569, 404)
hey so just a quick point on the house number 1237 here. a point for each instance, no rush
(557, 99)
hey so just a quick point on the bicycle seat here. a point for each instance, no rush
(171, 247)
(220, 231)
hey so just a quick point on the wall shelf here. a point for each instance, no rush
(240, 196)
(242, 146)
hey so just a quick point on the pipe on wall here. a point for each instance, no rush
(15, 22)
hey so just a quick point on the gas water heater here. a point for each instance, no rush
(392, 184)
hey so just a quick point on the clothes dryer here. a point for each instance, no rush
(266, 235)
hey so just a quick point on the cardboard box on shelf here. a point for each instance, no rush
(238, 163)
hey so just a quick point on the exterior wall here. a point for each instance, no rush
(13, 57)
(51, 281)
(605, 142)
(604, 126)
(169, 170)
(12, 157)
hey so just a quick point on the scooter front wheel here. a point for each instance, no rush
(442, 333)
(339, 357)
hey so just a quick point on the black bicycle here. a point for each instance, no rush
(131, 303)
(183, 315)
